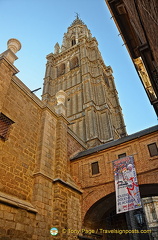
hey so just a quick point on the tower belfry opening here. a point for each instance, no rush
(77, 68)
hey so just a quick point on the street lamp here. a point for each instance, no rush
(139, 217)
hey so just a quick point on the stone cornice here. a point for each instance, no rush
(16, 202)
(80, 141)
(63, 118)
(2, 57)
(34, 98)
(27, 91)
(66, 51)
(58, 180)
(37, 174)
(62, 54)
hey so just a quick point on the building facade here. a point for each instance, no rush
(138, 26)
(36, 189)
(49, 175)
(93, 170)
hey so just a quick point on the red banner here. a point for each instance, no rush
(126, 185)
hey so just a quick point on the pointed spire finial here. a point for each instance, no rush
(77, 15)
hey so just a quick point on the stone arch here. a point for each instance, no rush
(102, 214)
(61, 69)
(74, 62)
(95, 212)
(93, 196)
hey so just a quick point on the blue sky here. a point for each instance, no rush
(39, 24)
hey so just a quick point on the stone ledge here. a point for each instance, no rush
(37, 174)
(58, 180)
(27, 91)
(79, 140)
(16, 202)
(2, 57)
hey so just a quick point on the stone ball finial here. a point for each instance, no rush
(61, 97)
(14, 45)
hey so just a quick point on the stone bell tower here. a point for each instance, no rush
(92, 103)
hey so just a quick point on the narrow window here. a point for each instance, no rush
(95, 168)
(5, 124)
(73, 42)
(153, 149)
(122, 155)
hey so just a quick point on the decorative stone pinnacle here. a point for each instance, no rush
(14, 45)
(56, 48)
(60, 107)
(61, 97)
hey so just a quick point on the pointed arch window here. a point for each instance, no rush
(74, 63)
(73, 41)
(61, 69)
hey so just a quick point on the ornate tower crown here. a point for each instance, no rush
(76, 31)
(77, 21)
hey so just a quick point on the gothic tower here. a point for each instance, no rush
(92, 104)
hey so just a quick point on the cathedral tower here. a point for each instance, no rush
(92, 104)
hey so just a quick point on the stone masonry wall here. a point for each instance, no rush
(16, 223)
(18, 153)
(5, 77)
(35, 184)
(73, 146)
(66, 211)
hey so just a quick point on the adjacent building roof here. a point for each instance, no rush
(116, 142)
(133, 19)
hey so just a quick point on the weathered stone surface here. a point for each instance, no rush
(35, 153)
(92, 104)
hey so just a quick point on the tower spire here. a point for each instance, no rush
(77, 20)
(92, 105)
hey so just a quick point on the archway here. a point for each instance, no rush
(102, 216)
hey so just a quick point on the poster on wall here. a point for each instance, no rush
(126, 185)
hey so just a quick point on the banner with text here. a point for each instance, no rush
(126, 185)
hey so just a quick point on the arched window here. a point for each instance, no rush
(61, 69)
(74, 63)
(73, 41)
